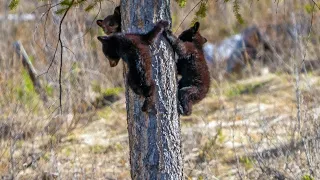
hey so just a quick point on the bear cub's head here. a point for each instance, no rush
(192, 35)
(109, 45)
(112, 23)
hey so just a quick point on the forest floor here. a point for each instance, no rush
(245, 129)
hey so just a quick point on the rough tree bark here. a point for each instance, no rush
(154, 138)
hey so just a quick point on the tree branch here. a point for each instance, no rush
(61, 55)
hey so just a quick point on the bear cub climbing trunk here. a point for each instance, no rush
(154, 137)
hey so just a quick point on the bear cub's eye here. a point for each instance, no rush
(111, 23)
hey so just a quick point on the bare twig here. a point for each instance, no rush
(316, 4)
(61, 55)
(187, 15)
(45, 37)
(56, 48)
(94, 20)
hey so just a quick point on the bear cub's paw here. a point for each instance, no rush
(163, 24)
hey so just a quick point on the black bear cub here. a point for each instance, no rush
(135, 51)
(112, 23)
(191, 65)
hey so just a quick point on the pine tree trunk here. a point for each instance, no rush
(154, 138)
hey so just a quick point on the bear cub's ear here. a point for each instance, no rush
(99, 22)
(196, 27)
(117, 11)
(205, 40)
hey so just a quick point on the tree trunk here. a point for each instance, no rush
(154, 138)
(31, 71)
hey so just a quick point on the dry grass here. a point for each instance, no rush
(259, 127)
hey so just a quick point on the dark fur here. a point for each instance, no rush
(112, 23)
(252, 39)
(134, 50)
(247, 50)
(191, 65)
